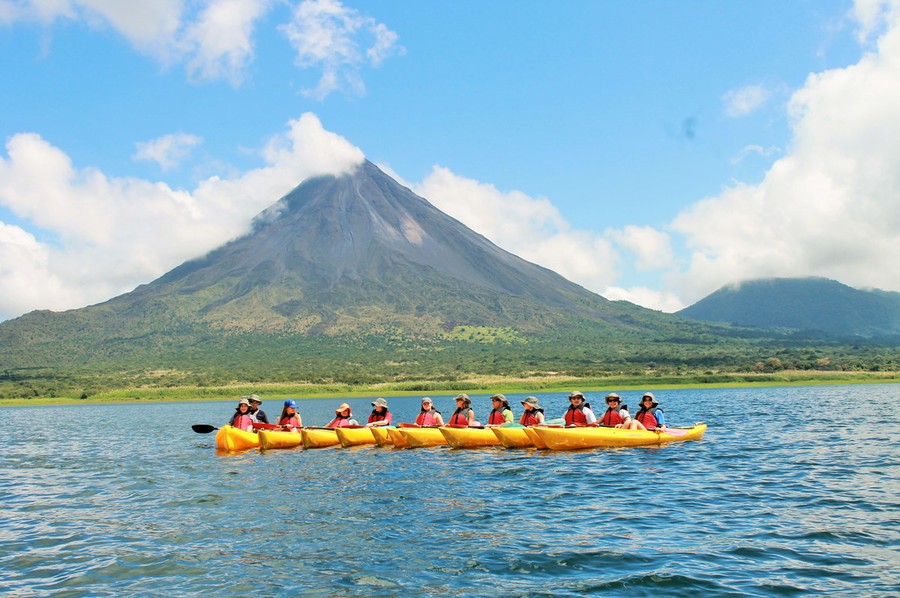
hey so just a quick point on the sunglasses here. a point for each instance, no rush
(611, 401)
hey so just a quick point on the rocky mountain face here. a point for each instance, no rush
(805, 304)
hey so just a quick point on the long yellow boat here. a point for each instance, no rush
(514, 437)
(382, 435)
(355, 436)
(229, 438)
(319, 437)
(421, 437)
(566, 439)
(469, 437)
(279, 439)
(536, 440)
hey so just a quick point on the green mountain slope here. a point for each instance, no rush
(814, 304)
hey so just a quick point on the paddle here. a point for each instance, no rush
(203, 428)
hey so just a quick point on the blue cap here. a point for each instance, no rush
(290, 403)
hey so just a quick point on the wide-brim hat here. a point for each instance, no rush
(463, 397)
(254, 399)
(576, 395)
(501, 398)
(531, 401)
(343, 407)
(244, 402)
(379, 402)
(652, 398)
(613, 395)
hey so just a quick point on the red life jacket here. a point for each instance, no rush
(496, 417)
(611, 418)
(242, 420)
(647, 419)
(379, 417)
(575, 415)
(426, 418)
(529, 418)
(339, 422)
(292, 420)
(460, 417)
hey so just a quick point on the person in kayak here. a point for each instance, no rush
(649, 416)
(501, 412)
(257, 414)
(464, 414)
(616, 415)
(343, 417)
(241, 418)
(532, 414)
(289, 420)
(429, 416)
(579, 412)
(380, 416)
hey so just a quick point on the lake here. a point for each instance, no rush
(792, 491)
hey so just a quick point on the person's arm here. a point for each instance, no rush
(231, 420)
(660, 419)
(626, 418)
(540, 417)
(438, 419)
(508, 416)
(262, 417)
(589, 416)
(471, 416)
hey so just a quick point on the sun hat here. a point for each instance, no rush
(531, 401)
(290, 403)
(463, 397)
(255, 399)
(652, 398)
(613, 395)
(379, 402)
(244, 401)
(576, 395)
(343, 407)
(501, 398)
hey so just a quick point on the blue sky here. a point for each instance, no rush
(650, 151)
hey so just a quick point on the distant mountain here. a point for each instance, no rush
(807, 304)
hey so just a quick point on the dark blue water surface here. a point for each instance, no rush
(793, 491)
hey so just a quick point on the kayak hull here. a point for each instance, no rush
(397, 439)
(279, 439)
(382, 435)
(319, 438)
(566, 439)
(513, 437)
(355, 436)
(422, 437)
(229, 438)
(536, 440)
(461, 438)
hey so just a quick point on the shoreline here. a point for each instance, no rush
(475, 386)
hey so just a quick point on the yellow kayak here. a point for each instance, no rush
(355, 436)
(536, 440)
(419, 437)
(229, 438)
(278, 439)
(564, 439)
(398, 439)
(513, 437)
(319, 437)
(382, 435)
(469, 437)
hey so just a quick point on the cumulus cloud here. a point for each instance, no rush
(327, 35)
(168, 151)
(221, 41)
(746, 100)
(111, 234)
(831, 206)
(531, 228)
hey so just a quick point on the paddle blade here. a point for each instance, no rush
(203, 428)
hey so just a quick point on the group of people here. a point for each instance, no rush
(648, 417)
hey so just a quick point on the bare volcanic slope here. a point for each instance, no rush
(345, 254)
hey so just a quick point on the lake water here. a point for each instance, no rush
(792, 491)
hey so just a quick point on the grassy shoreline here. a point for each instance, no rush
(472, 385)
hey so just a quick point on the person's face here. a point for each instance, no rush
(426, 405)
(612, 402)
(648, 401)
(254, 405)
(497, 403)
(244, 407)
(575, 400)
(290, 410)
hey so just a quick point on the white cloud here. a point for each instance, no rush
(327, 35)
(746, 100)
(652, 249)
(831, 207)
(111, 234)
(221, 39)
(169, 150)
(530, 228)
(753, 149)
(660, 300)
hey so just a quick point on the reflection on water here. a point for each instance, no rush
(778, 498)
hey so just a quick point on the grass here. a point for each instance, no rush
(470, 384)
